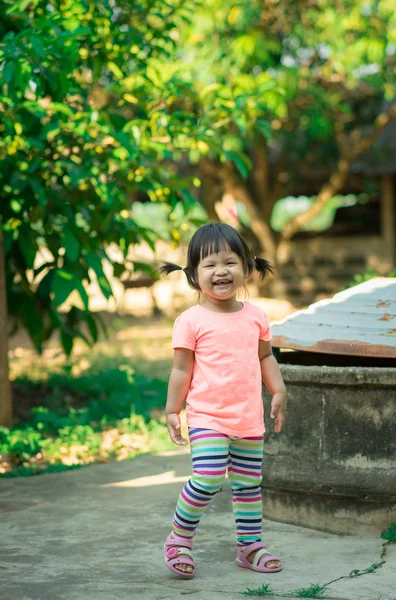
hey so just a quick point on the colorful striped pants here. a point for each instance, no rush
(213, 454)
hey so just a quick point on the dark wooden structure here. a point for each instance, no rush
(138, 281)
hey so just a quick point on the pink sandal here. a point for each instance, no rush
(173, 547)
(244, 551)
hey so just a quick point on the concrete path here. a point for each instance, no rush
(97, 533)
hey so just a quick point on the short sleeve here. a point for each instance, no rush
(265, 328)
(183, 335)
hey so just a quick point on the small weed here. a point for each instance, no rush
(314, 591)
(264, 590)
(390, 534)
(370, 274)
(357, 572)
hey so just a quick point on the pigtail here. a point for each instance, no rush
(263, 267)
(167, 268)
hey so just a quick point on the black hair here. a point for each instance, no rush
(211, 239)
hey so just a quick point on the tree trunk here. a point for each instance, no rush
(236, 186)
(5, 392)
(210, 191)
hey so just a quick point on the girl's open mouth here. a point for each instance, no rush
(222, 282)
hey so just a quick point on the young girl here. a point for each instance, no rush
(222, 351)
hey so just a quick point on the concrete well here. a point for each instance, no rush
(334, 466)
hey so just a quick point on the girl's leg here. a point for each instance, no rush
(209, 450)
(244, 473)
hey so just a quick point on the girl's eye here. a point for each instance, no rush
(231, 263)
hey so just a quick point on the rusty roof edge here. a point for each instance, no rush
(343, 347)
(282, 338)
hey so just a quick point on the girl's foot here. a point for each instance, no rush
(183, 567)
(178, 555)
(270, 564)
(255, 556)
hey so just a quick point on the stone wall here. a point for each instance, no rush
(334, 466)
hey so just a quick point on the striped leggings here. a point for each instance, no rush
(213, 454)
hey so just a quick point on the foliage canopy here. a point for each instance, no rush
(101, 100)
(89, 121)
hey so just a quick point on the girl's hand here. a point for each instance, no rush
(173, 422)
(278, 410)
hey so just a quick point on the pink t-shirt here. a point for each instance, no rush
(226, 386)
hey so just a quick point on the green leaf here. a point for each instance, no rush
(28, 248)
(104, 192)
(265, 128)
(83, 294)
(38, 46)
(8, 71)
(241, 163)
(67, 342)
(63, 283)
(7, 240)
(45, 285)
(71, 245)
(95, 263)
(213, 87)
(32, 321)
(113, 68)
(118, 269)
(125, 141)
(93, 329)
(62, 108)
(38, 192)
(188, 198)
(146, 236)
(18, 6)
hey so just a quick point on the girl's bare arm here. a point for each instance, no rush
(273, 380)
(179, 384)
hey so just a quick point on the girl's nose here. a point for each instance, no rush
(221, 270)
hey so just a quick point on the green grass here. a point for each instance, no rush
(389, 535)
(69, 416)
(314, 591)
(264, 590)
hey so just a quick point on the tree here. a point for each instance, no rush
(5, 396)
(322, 75)
(88, 121)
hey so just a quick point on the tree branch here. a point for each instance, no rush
(339, 177)
(208, 167)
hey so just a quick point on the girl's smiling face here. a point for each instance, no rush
(221, 274)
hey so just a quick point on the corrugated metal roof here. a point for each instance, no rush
(360, 321)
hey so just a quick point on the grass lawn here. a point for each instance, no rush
(105, 404)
